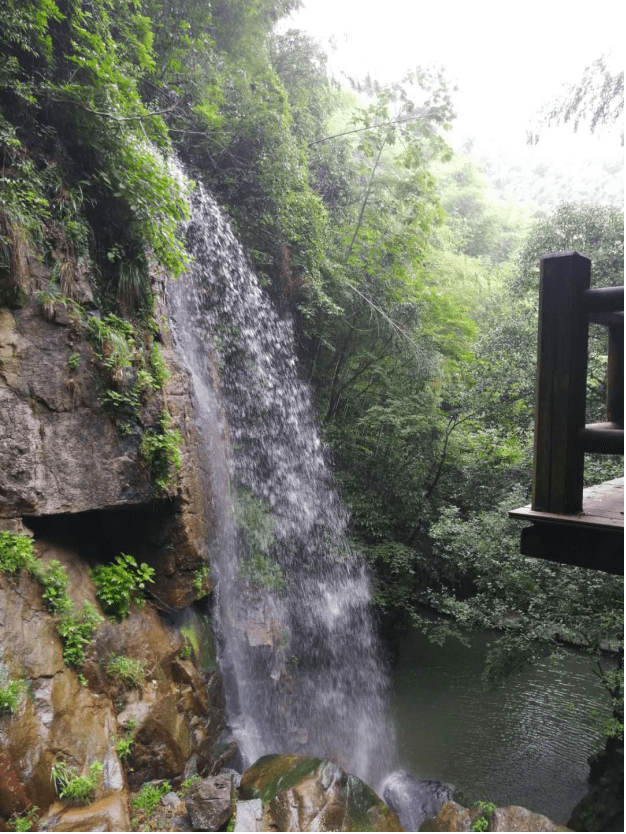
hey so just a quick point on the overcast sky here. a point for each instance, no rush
(506, 58)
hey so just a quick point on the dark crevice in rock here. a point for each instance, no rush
(157, 532)
(99, 535)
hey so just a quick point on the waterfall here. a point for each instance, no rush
(297, 648)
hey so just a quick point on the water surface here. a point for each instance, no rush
(526, 743)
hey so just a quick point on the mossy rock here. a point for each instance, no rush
(366, 811)
(274, 773)
(308, 794)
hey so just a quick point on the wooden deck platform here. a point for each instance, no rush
(603, 507)
(593, 538)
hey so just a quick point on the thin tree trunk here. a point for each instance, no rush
(364, 203)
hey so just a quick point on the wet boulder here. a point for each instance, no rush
(516, 818)
(210, 803)
(306, 794)
(415, 800)
(602, 809)
(454, 817)
(451, 817)
(249, 815)
(109, 814)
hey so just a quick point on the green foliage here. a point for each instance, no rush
(415, 325)
(120, 583)
(543, 184)
(24, 822)
(488, 584)
(478, 223)
(187, 785)
(123, 748)
(190, 634)
(72, 786)
(121, 405)
(149, 797)
(55, 582)
(12, 691)
(261, 570)
(16, 552)
(51, 297)
(481, 823)
(126, 670)
(160, 449)
(394, 577)
(88, 75)
(77, 630)
(73, 362)
(255, 526)
(114, 345)
(595, 230)
(155, 375)
(201, 580)
(185, 653)
(254, 519)
(158, 368)
(132, 367)
(125, 743)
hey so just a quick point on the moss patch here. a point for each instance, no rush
(366, 812)
(199, 635)
(274, 773)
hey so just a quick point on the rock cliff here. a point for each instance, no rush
(73, 479)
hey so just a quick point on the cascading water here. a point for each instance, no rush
(298, 651)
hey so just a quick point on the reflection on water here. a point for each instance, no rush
(525, 743)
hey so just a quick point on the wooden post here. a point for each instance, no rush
(615, 376)
(561, 382)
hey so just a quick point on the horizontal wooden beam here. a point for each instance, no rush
(594, 549)
(603, 300)
(605, 438)
(607, 319)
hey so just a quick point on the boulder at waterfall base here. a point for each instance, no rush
(454, 817)
(414, 800)
(307, 794)
(210, 803)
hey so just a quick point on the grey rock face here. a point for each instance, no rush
(209, 803)
(58, 452)
(415, 800)
(249, 815)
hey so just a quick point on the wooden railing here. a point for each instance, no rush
(567, 305)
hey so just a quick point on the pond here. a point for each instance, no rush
(525, 743)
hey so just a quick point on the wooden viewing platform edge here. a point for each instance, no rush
(592, 538)
(603, 507)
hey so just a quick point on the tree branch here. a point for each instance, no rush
(371, 127)
(103, 114)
